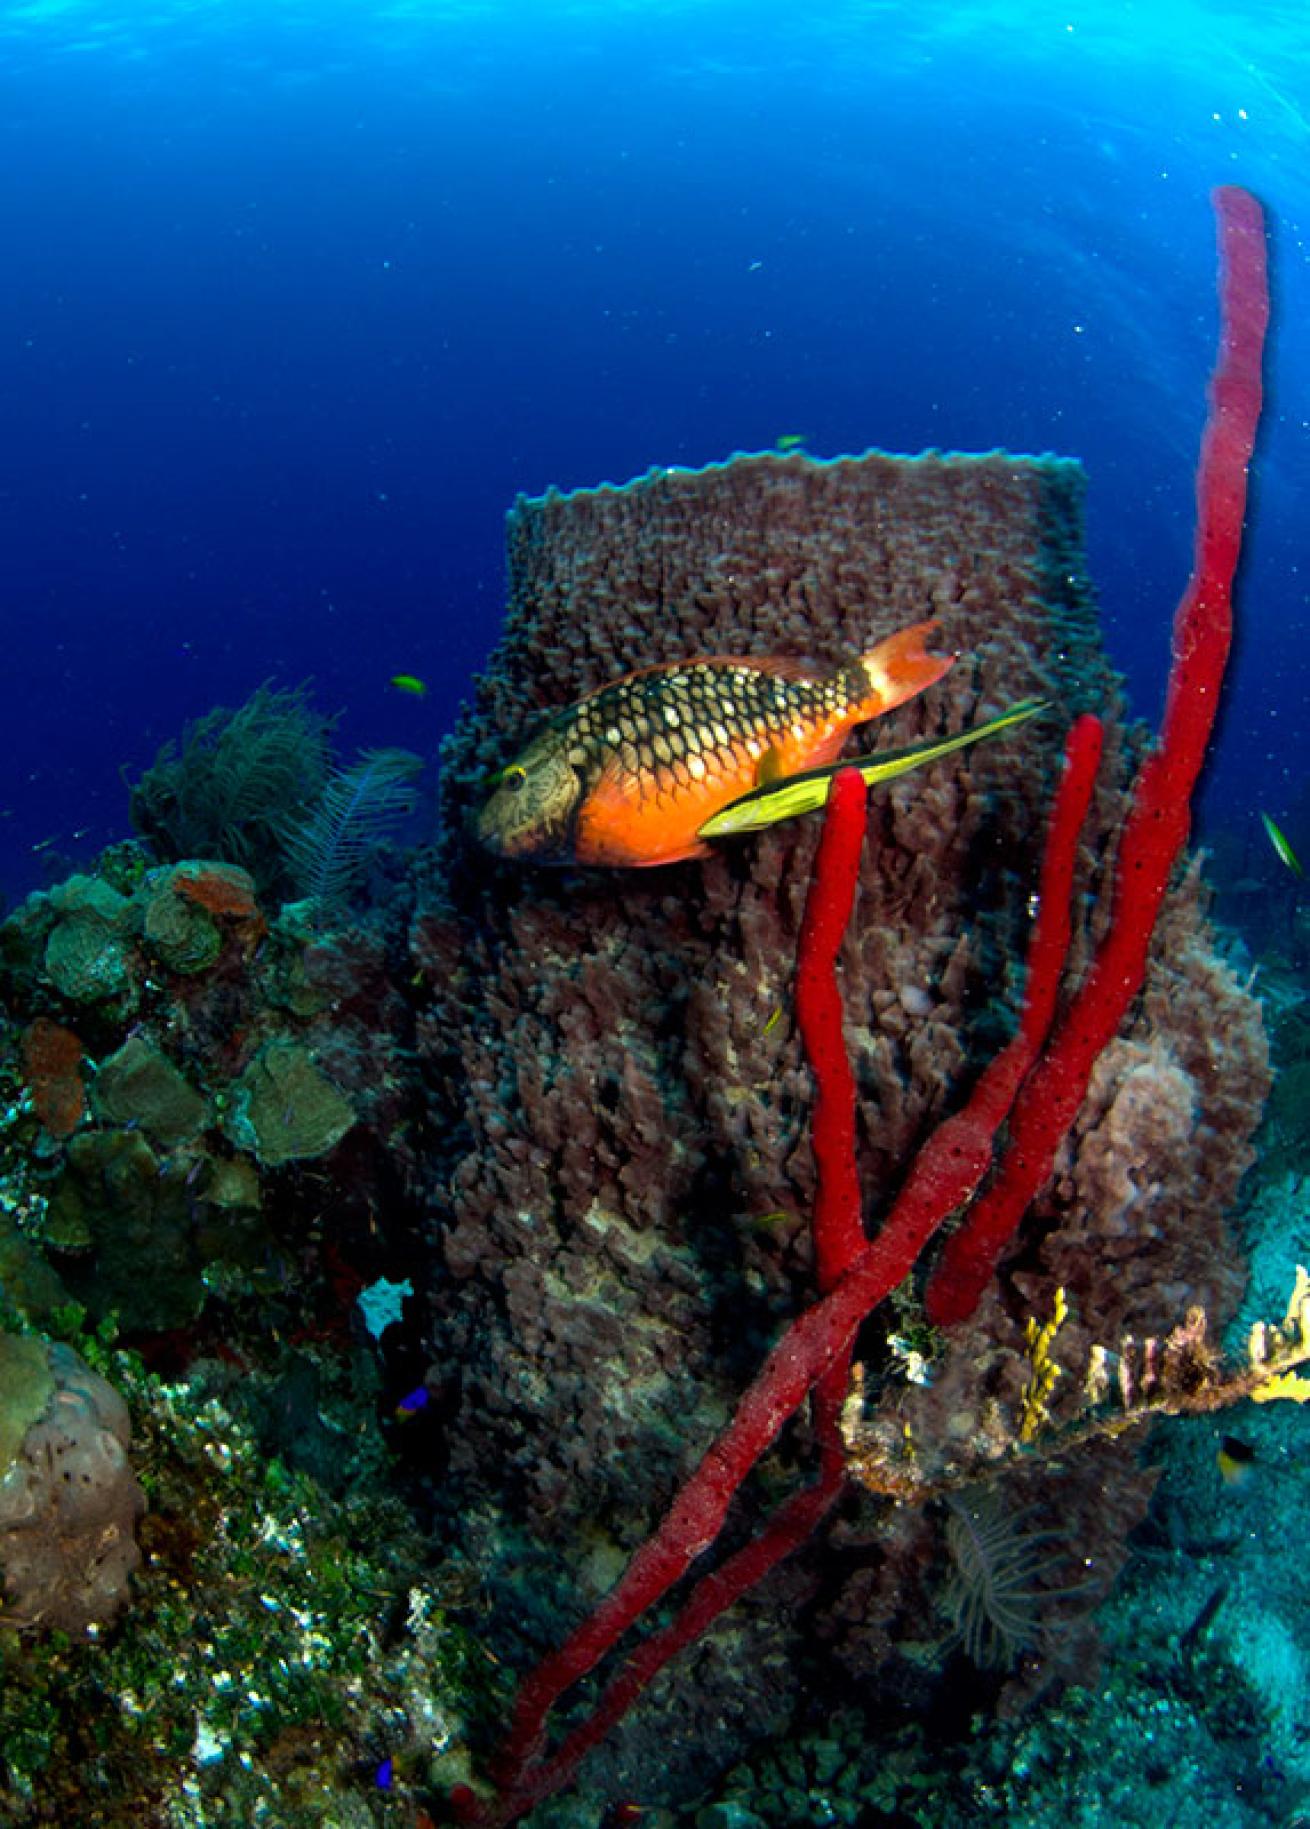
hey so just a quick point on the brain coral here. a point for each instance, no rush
(612, 1059)
(69, 1501)
(86, 953)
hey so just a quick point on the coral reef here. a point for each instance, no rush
(527, 1295)
(184, 1103)
(290, 1643)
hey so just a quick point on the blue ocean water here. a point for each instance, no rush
(297, 299)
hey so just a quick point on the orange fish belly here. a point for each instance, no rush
(655, 821)
(639, 822)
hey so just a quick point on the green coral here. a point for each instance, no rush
(129, 1217)
(284, 1110)
(178, 931)
(26, 1387)
(231, 1184)
(86, 953)
(139, 1085)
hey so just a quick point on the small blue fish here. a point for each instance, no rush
(384, 1775)
(419, 1399)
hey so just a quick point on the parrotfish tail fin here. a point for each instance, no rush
(897, 669)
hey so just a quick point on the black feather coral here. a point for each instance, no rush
(329, 851)
(1000, 1585)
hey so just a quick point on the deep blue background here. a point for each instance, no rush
(294, 303)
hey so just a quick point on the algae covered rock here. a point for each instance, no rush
(284, 1110)
(231, 1186)
(125, 1222)
(139, 1085)
(31, 1287)
(138, 1227)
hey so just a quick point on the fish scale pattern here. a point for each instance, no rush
(706, 718)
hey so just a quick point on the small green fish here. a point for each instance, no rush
(796, 794)
(410, 683)
(1284, 851)
(792, 441)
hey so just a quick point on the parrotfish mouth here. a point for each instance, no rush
(526, 816)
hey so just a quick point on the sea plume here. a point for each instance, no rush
(328, 852)
(997, 1590)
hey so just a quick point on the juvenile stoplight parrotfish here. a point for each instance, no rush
(630, 774)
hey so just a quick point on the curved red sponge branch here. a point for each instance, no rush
(1159, 817)
(838, 1233)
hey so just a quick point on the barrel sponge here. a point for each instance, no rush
(69, 1501)
(623, 1161)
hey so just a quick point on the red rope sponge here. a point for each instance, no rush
(1159, 817)
(815, 1350)
(838, 1232)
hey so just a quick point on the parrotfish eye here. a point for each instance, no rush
(513, 778)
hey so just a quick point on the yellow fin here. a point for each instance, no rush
(768, 769)
(772, 802)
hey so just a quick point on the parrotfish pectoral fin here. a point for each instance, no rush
(901, 666)
(803, 793)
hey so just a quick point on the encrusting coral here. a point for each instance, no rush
(226, 1053)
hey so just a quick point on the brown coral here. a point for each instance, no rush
(222, 889)
(52, 1061)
